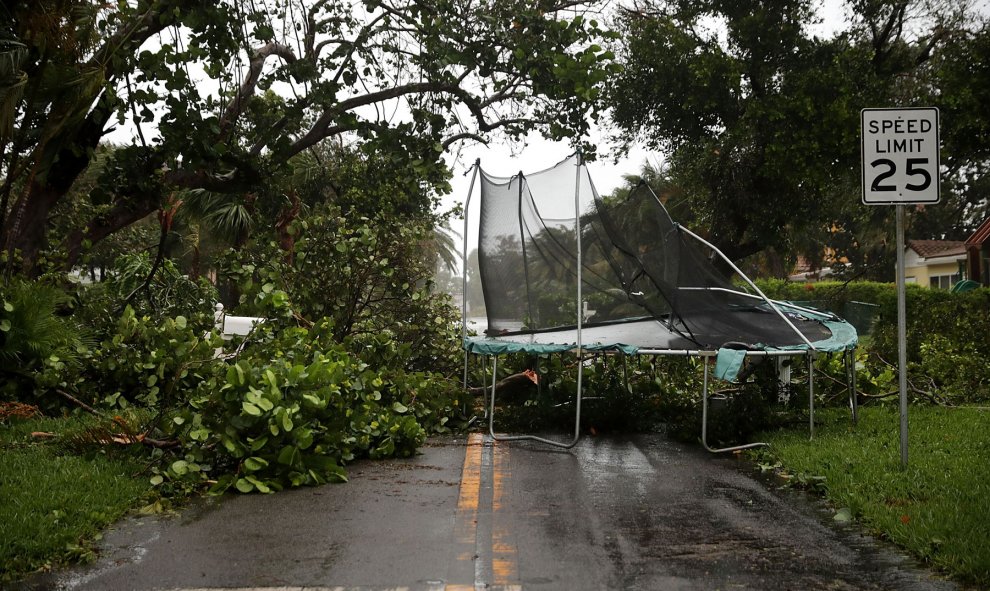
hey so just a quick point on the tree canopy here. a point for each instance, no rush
(222, 96)
(760, 115)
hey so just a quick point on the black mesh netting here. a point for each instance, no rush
(636, 263)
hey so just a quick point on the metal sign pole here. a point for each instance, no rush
(900, 158)
(902, 335)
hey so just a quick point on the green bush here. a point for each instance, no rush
(155, 363)
(638, 394)
(167, 295)
(292, 409)
(947, 334)
(37, 339)
(365, 276)
(296, 406)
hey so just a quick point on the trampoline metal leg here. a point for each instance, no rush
(625, 373)
(851, 377)
(484, 391)
(577, 416)
(491, 400)
(704, 421)
(811, 395)
(539, 378)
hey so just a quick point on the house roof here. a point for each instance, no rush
(931, 249)
(980, 235)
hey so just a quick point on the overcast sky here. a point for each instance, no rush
(499, 159)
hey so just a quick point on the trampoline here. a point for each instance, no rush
(564, 270)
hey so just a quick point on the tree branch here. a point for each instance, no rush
(236, 105)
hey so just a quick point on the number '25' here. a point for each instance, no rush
(913, 169)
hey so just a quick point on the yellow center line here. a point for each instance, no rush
(477, 546)
(505, 565)
(466, 518)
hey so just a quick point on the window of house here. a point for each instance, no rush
(943, 281)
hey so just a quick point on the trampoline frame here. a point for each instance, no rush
(706, 355)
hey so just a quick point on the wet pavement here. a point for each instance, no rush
(617, 512)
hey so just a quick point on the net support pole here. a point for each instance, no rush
(464, 262)
(579, 351)
(532, 322)
(580, 298)
(748, 281)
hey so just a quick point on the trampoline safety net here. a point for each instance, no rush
(636, 263)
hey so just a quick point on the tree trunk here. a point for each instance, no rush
(27, 224)
(286, 216)
(57, 164)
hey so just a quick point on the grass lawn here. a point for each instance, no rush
(938, 508)
(53, 503)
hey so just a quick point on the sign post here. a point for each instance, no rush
(900, 151)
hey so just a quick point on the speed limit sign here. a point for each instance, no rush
(900, 155)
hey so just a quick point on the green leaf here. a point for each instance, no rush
(180, 322)
(314, 400)
(842, 515)
(258, 443)
(152, 509)
(157, 479)
(251, 409)
(180, 467)
(236, 374)
(303, 437)
(244, 485)
(255, 463)
(400, 408)
(260, 485)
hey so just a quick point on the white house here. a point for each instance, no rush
(934, 263)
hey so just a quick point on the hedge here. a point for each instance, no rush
(948, 334)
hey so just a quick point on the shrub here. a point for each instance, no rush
(169, 294)
(654, 393)
(947, 334)
(296, 406)
(154, 363)
(37, 338)
(365, 276)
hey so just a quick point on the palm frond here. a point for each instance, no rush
(446, 247)
(34, 329)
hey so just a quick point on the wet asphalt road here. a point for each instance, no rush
(636, 512)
